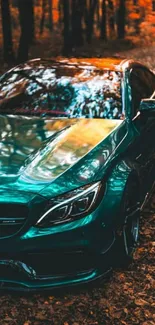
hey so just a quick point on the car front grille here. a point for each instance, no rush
(12, 218)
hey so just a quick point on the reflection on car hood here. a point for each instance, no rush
(36, 153)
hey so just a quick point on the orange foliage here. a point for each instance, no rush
(134, 15)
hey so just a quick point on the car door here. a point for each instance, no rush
(142, 83)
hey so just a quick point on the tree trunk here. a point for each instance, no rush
(42, 22)
(111, 18)
(121, 20)
(27, 28)
(60, 9)
(66, 32)
(50, 14)
(7, 34)
(98, 14)
(32, 22)
(104, 21)
(77, 12)
(90, 19)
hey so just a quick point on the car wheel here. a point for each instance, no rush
(128, 233)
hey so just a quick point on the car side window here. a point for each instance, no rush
(142, 83)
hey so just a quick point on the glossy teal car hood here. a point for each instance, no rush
(52, 156)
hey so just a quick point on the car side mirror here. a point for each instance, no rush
(147, 107)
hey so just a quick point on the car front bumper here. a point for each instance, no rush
(63, 255)
(38, 259)
(23, 278)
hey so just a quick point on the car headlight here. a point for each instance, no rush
(70, 206)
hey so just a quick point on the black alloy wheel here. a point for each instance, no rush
(127, 235)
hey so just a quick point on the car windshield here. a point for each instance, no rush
(65, 91)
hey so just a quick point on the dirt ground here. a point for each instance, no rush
(124, 299)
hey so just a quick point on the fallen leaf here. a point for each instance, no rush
(46, 303)
(141, 302)
(69, 303)
(40, 316)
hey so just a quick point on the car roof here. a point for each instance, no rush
(110, 63)
(113, 64)
(73, 66)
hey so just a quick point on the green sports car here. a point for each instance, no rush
(77, 164)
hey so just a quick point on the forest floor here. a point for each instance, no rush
(124, 299)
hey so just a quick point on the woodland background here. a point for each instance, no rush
(46, 28)
(29, 28)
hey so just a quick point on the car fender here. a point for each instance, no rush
(116, 183)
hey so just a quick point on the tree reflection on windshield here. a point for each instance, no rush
(63, 91)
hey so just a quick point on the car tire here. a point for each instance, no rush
(127, 234)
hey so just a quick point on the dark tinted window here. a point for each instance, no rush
(62, 92)
(142, 84)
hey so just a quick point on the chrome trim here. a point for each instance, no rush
(153, 96)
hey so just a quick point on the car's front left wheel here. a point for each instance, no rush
(128, 233)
